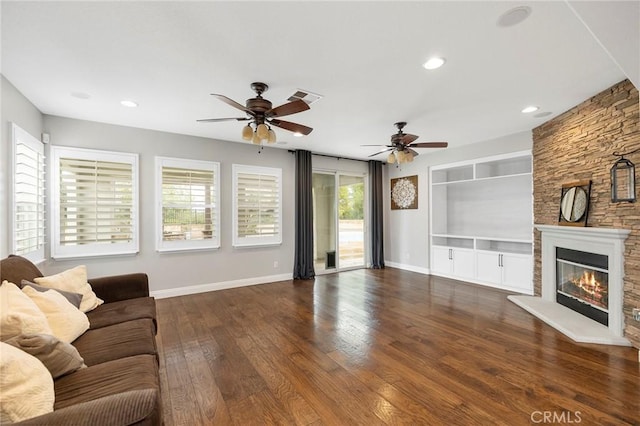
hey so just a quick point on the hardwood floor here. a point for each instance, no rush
(382, 347)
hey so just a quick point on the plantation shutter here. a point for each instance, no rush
(97, 203)
(189, 204)
(28, 196)
(257, 206)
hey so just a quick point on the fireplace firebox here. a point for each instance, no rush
(582, 283)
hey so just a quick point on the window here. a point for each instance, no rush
(95, 202)
(188, 204)
(28, 205)
(257, 205)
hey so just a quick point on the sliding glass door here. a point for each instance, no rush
(339, 221)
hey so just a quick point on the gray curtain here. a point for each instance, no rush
(303, 260)
(377, 218)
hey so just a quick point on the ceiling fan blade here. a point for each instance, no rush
(380, 152)
(292, 127)
(288, 109)
(413, 151)
(408, 138)
(429, 145)
(233, 103)
(213, 120)
(380, 144)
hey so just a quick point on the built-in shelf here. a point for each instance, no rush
(484, 206)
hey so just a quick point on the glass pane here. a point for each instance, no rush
(324, 221)
(351, 221)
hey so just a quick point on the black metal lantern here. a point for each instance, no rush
(623, 181)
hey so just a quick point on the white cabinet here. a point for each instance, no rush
(481, 226)
(441, 260)
(454, 262)
(505, 270)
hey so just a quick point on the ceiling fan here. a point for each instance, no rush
(261, 116)
(402, 145)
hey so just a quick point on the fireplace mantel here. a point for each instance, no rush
(605, 241)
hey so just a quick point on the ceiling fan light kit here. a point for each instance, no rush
(261, 114)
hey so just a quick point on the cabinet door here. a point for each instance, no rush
(488, 267)
(464, 263)
(517, 271)
(440, 262)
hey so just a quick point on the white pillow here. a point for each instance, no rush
(27, 386)
(66, 321)
(19, 314)
(75, 281)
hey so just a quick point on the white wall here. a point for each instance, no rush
(17, 109)
(225, 266)
(406, 232)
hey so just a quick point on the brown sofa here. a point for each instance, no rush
(121, 384)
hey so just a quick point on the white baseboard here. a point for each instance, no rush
(411, 268)
(223, 285)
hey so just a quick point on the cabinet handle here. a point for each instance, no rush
(450, 254)
(501, 261)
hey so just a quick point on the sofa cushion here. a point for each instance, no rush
(73, 298)
(19, 314)
(17, 268)
(75, 281)
(66, 321)
(59, 357)
(109, 378)
(117, 341)
(132, 408)
(121, 311)
(27, 386)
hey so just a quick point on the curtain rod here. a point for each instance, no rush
(334, 156)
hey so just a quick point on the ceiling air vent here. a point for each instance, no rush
(304, 95)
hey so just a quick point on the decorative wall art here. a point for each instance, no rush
(574, 203)
(404, 193)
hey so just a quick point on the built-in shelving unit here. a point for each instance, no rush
(482, 215)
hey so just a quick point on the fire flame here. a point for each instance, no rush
(588, 283)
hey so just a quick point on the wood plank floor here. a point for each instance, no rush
(380, 347)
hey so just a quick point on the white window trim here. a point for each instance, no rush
(91, 250)
(259, 240)
(19, 135)
(182, 245)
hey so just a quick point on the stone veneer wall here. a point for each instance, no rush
(579, 145)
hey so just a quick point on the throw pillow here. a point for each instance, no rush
(19, 314)
(73, 280)
(74, 298)
(59, 357)
(27, 386)
(66, 321)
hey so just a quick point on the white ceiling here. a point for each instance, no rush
(363, 57)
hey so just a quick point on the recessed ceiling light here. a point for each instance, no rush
(433, 63)
(129, 104)
(80, 95)
(298, 135)
(529, 109)
(514, 16)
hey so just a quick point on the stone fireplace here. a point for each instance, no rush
(582, 283)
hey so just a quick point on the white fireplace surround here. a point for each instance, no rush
(605, 241)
